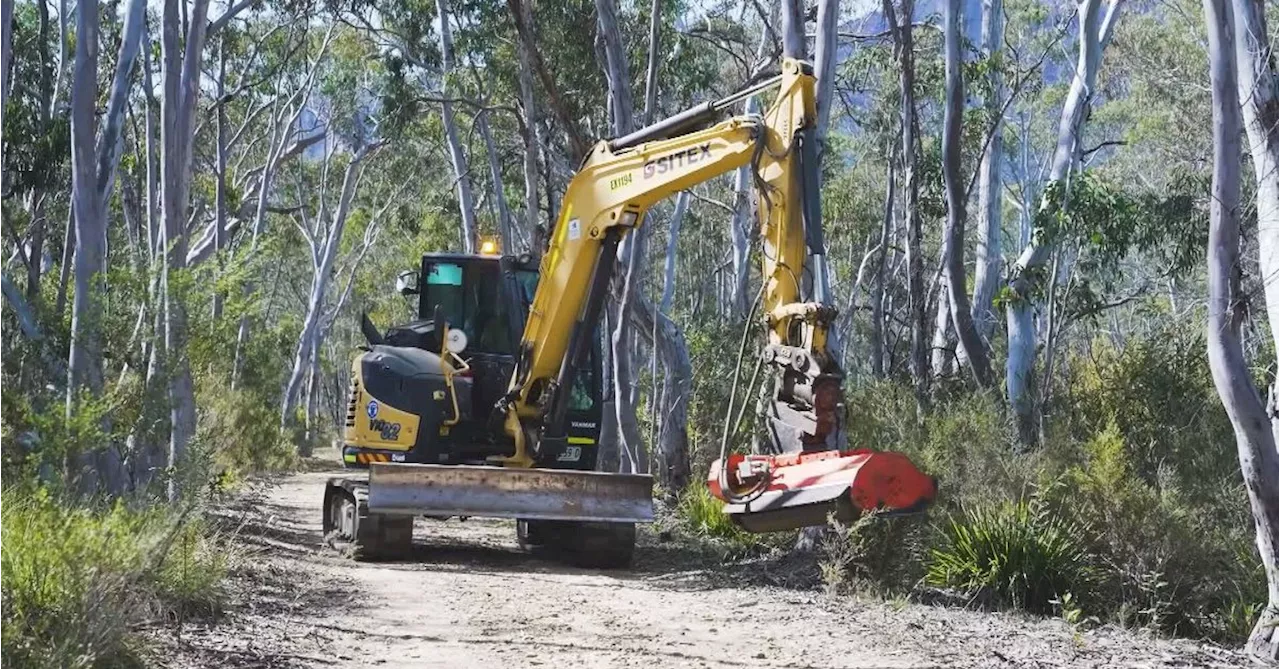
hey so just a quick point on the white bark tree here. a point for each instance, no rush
(990, 184)
(181, 79)
(953, 239)
(1256, 88)
(1026, 274)
(506, 228)
(824, 66)
(1242, 59)
(626, 272)
(323, 235)
(84, 367)
(742, 221)
(457, 153)
(111, 141)
(6, 51)
(900, 26)
(286, 140)
(1255, 442)
(532, 145)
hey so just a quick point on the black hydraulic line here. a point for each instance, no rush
(688, 118)
(666, 127)
(811, 204)
(583, 331)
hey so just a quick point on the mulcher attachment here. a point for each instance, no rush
(771, 493)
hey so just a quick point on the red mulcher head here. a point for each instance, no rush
(771, 493)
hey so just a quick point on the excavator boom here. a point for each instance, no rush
(609, 197)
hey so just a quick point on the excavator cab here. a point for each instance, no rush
(423, 392)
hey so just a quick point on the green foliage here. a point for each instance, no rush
(240, 432)
(75, 579)
(703, 515)
(1158, 395)
(1105, 224)
(1138, 493)
(1174, 561)
(878, 553)
(1022, 553)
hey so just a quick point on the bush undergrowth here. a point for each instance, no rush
(1020, 553)
(1130, 510)
(77, 579)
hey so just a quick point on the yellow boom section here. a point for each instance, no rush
(609, 197)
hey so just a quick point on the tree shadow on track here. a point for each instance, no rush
(283, 526)
(657, 565)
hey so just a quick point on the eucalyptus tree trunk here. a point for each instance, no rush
(791, 14)
(918, 321)
(627, 273)
(651, 68)
(824, 65)
(1256, 88)
(740, 224)
(617, 72)
(878, 369)
(1023, 283)
(966, 334)
(505, 227)
(990, 184)
(281, 147)
(6, 51)
(111, 139)
(669, 266)
(522, 16)
(673, 472)
(1255, 442)
(323, 252)
(529, 117)
(457, 155)
(742, 221)
(942, 348)
(177, 111)
(85, 363)
(39, 198)
(220, 169)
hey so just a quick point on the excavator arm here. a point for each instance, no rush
(609, 198)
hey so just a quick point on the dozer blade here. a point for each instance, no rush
(803, 489)
(508, 492)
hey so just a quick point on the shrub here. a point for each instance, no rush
(1020, 553)
(240, 432)
(702, 515)
(880, 553)
(74, 579)
(1170, 560)
(967, 441)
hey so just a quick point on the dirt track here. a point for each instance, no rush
(472, 599)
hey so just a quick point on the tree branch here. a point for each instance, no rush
(220, 22)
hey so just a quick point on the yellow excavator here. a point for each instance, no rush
(489, 404)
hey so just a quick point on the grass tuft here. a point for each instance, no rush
(1020, 553)
(75, 579)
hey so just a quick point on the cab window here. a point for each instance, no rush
(469, 298)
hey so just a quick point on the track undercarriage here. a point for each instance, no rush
(364, 535)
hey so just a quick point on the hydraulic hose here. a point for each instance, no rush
(725, 488)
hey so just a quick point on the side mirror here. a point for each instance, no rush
(407, 282)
